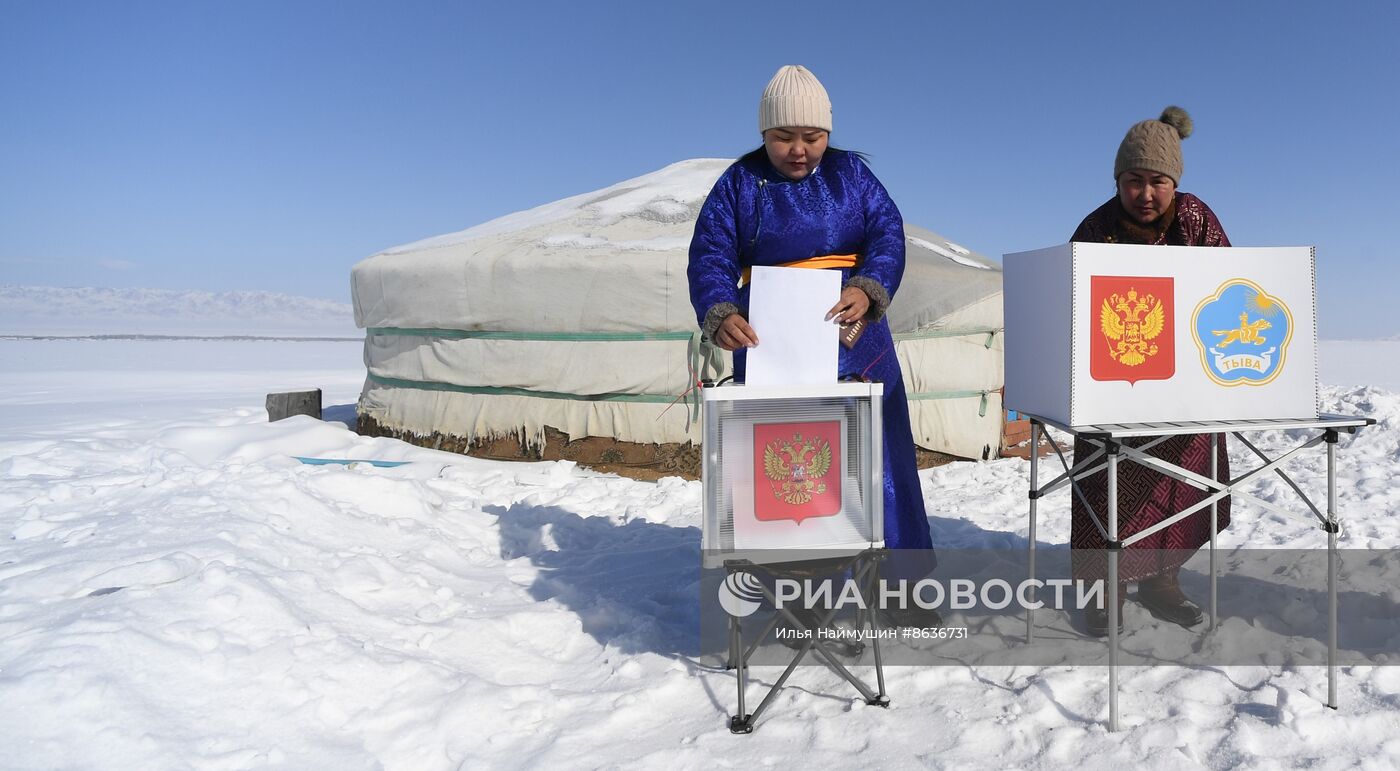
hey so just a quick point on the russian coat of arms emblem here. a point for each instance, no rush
(1132, 328)
(797, 470)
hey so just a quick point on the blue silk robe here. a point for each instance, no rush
(756, 216)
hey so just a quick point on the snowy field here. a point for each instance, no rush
(177, 591)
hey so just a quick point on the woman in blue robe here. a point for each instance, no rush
(786, 203)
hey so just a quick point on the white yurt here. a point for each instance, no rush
(566, 331)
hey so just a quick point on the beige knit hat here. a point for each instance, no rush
(1155, 145)
(794, 97)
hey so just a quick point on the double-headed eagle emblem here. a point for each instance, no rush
(1130, 323)
(795, 468)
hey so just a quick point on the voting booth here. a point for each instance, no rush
(1117, 333)
(1125, 346)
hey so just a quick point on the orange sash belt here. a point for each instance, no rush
(824, 261)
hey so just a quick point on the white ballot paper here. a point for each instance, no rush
(787, 310)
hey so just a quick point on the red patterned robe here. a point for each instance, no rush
(1146, 497)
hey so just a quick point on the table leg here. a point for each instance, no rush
(1113, 613)
(1214, 527)
(1030, 547)
(1332, 569)
(882, 698)
(736, 637)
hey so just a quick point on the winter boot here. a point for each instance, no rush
(1162, 597)
(1096, 619)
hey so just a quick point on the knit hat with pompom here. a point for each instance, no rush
(1155, 145)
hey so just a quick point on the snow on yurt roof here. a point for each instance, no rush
(671, 194)
(614, 260)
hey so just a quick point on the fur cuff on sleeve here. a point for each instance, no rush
(879, 298)
(716, 316)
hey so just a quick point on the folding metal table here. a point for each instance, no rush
(1110, 448)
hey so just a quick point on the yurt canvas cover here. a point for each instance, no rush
(576, 316)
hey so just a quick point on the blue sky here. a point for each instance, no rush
(271, 145)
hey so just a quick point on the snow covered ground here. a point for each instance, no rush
(177, 591)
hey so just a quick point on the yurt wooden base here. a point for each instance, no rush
(647, 462)
(638, 461)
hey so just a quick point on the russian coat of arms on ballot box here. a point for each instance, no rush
(797, 472)
(791, 469)
(1133, 318)
(1242, 334)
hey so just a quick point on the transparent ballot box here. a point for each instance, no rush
(791, 471)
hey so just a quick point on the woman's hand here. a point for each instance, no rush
(735, 333)
(853, 305)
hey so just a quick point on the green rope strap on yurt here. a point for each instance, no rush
(990, 332)
(704, 359)
(566, 337)
(512, 391)
(620, 397)
(631, 337)
(926, 395)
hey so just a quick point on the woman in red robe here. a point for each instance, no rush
(1148, 209)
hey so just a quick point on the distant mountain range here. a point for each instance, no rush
(81, 311)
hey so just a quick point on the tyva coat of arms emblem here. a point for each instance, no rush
(1242, 333)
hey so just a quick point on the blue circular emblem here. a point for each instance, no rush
(1242, 333)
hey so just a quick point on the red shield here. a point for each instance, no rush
(797, 470)
(1131, 328)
